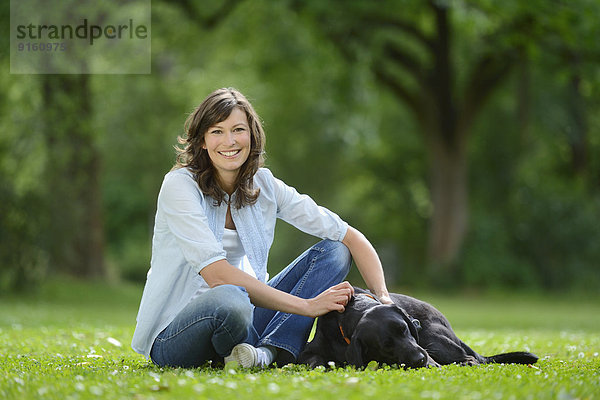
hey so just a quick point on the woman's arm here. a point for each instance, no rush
(263, 295)
(368, 263)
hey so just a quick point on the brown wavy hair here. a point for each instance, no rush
(214, 109)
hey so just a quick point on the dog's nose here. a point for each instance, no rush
(420, 359)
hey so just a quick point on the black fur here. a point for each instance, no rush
(409, 333)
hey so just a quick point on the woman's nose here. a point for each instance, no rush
(230, 138)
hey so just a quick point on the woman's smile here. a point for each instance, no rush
(229, 153)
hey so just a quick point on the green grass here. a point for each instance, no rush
(71, 341)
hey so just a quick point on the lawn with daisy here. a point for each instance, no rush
(70, 340)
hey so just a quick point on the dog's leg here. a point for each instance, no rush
(445, 348)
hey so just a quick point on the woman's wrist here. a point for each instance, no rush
(306, 307)
(383, 295)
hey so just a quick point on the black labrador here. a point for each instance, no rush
(409, 333)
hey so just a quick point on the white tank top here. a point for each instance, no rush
(235, 256)
(235, 253)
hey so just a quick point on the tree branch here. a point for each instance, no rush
(411, 64)
(379, 21)
(489, 72)
(412, 100)
(208, 21)
(492, 68)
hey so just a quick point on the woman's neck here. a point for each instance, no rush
(227, 183)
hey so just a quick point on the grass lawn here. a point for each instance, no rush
(71, 341)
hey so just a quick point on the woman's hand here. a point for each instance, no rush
(333, 299)
(385, 299)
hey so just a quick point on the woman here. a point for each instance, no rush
(205, 297)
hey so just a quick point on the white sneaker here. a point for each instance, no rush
(245, 355)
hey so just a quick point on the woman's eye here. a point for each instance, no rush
(239, 129)
(216, 131)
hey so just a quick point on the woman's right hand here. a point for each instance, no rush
(333, 299)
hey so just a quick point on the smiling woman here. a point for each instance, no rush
(207, 297)
(228, 146)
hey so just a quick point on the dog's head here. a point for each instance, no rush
(387, 334)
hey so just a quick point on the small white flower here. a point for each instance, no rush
(273, 387)
(155, 376)
(199, 388)
(95, 390)
(231, 385)
(114, 342)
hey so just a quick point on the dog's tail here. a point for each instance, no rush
(517, 357)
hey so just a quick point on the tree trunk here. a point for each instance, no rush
(447, 152)
(75, 235)
(448, 224)
(577, 129)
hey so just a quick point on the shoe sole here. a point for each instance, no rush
(244, 354)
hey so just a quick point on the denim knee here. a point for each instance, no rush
(340, 259)
(232, 306)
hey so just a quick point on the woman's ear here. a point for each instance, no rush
(354, 352)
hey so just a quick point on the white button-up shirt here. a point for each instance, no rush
(188, 232)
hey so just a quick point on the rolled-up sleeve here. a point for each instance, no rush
(302, 212)
(182, 214)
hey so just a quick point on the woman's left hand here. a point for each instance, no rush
(385, 299)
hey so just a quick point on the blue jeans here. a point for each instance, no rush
(214, 322)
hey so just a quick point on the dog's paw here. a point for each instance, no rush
(431, 363)
(469, 362)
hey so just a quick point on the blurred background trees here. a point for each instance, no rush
(460, 136)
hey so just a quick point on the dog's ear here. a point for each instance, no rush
(354, 352)
(414, 325)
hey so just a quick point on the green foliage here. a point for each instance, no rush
(71, 340)
(23, 259)
(550, 236)
(534, 207)
(23, 263)
(334, 132)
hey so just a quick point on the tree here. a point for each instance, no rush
(415, 54)
(74, 231)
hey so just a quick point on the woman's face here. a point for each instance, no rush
(228, 145)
